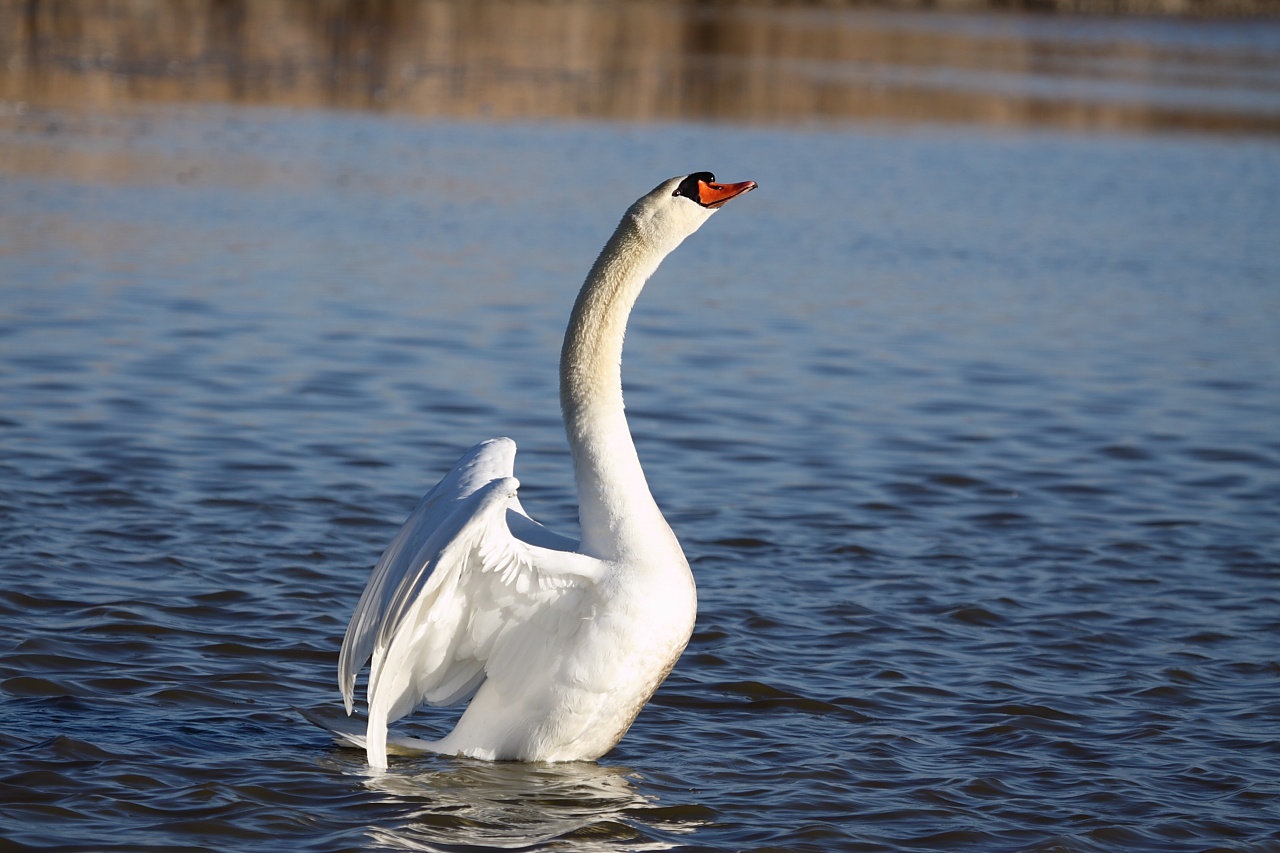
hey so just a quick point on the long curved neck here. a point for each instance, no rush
(617, 512)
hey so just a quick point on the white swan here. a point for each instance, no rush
(557, 643)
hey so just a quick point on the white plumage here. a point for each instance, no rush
(558, 644)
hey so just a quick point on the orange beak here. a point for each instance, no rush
(715, 195)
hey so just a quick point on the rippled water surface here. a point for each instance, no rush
(973, 442)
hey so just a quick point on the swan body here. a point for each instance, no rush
(557, 643)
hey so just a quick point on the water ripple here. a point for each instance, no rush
(987, 541)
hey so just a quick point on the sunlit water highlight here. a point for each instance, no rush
(972, 441)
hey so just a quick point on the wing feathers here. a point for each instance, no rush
(457, 597)
(487, 461)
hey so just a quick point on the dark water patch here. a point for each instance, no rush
(958, 481)
(32, 687)
(1230, 455)
(974, 615)
(886, 508)
(1000, 519)
(1218, 483)
(746, 542)
(856, 552)
(1170, 522)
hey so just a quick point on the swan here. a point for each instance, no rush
(557, 644)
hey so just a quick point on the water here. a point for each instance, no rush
(971, 439)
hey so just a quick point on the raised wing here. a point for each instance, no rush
(487, 461)
(456, 594)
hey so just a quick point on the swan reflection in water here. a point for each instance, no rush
(461, 804)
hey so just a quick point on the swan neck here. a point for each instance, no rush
(617, 512)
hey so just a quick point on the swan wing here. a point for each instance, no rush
(487, 461)
(458, 597)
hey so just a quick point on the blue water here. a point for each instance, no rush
(971, 438)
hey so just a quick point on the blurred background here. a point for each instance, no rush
(1084, 64)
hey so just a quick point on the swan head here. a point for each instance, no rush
(678, 207)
